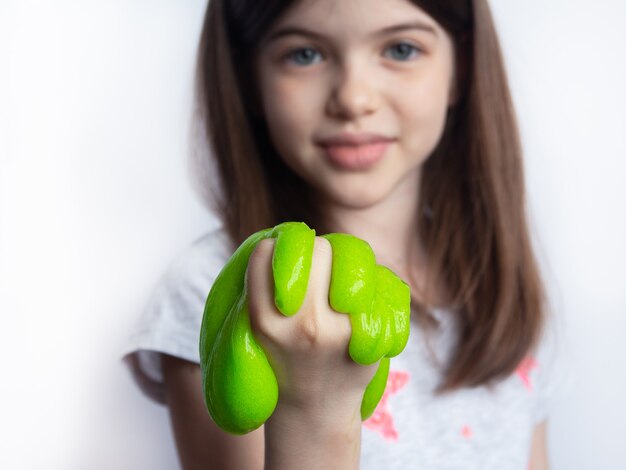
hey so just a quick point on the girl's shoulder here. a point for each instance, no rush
(206, 253)
(184, 285)
(170, 320)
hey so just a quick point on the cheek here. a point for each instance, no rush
(423, 109)
(289, 110)
(288, 107)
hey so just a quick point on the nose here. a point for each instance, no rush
(352, 93)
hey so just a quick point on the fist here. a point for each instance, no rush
(308, 351)
(301, 314)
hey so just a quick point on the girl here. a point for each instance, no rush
(391, 121)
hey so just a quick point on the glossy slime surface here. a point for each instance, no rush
(239, 385)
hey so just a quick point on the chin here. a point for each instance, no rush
(359, 197)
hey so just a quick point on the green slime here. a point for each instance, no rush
(240, 388)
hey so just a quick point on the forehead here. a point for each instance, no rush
(337, 17)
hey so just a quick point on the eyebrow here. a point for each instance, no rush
(294, 30)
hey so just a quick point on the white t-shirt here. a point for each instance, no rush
(478, 428)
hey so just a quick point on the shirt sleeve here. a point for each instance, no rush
(553, 372)
(170, 322)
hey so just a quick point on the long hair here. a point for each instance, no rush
(472, 186)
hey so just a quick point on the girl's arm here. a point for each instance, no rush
(201, 445)
(294, 439)
(304, 440)
(317, 420)
(539, 450)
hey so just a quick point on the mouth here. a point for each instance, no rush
(356, 156)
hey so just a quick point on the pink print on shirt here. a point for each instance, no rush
(382, 421)
(523, 371)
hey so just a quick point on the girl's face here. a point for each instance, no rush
(332, 73)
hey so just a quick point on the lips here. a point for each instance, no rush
(355, 151)
(345, 138)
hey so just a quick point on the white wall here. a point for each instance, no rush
(568, 72)
(95, 200)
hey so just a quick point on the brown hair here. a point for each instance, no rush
(472, 186)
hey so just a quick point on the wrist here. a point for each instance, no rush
(308, 439)
(324, 418)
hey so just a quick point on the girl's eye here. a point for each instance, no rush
(305, 56)
(302, 56)
(403, 51)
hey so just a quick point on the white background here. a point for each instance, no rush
(96, 200)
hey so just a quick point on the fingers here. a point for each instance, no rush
(353, 283)
(319, 324)
(372, 301)
(315, 324)
(260, 286)
(316, 297)
(353, 290)
(291, 265)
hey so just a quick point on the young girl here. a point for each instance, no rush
(392, 121)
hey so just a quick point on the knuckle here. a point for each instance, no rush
(262, 252)
(342, 326)
(322, 249)
(307, 332)
(321, 266)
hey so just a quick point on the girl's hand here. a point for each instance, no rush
(309, 350)
(270, 341)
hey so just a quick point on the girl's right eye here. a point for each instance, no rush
(302, 56)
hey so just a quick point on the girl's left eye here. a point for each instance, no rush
(403, 51)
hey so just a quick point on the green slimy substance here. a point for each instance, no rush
(239, 385)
